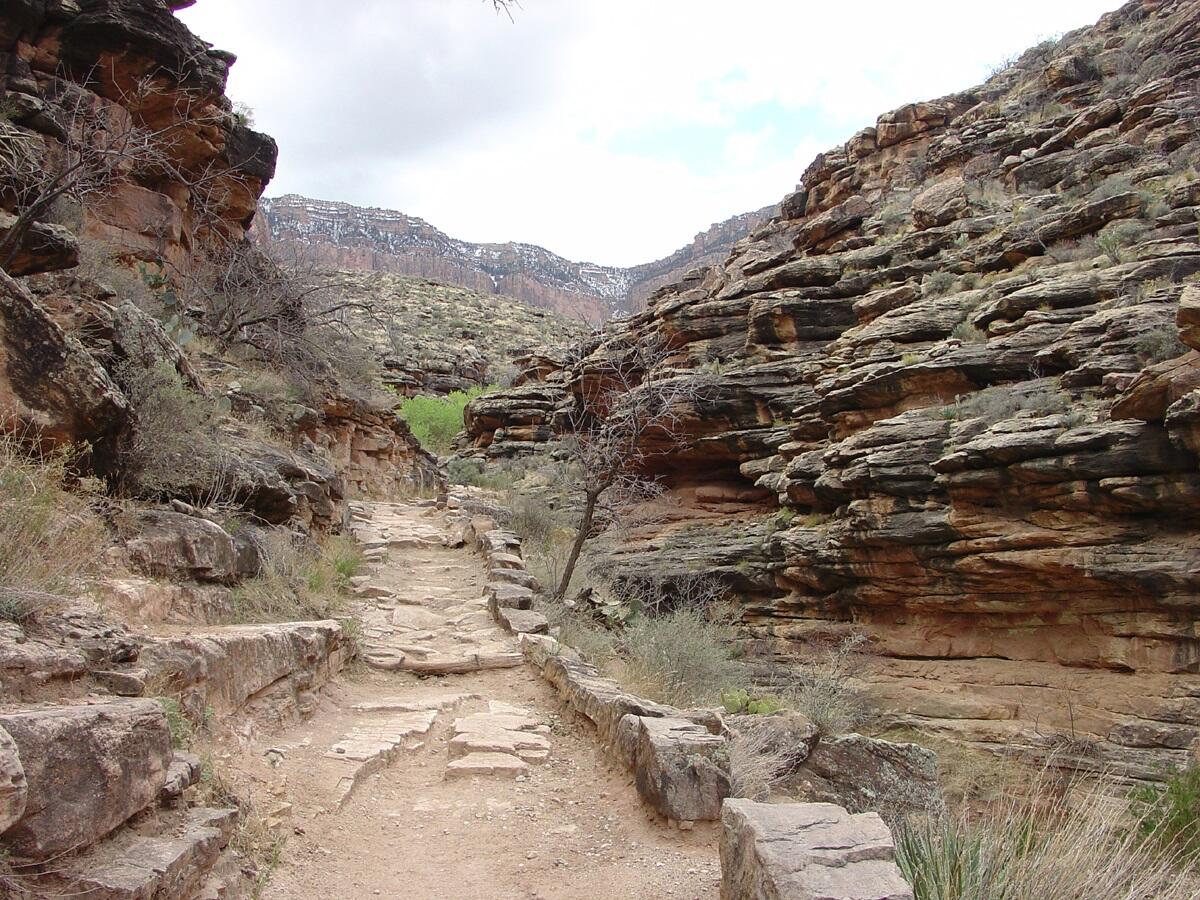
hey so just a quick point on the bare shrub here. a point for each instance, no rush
(286, 316)
(1081, 250)
(49, 535)
(683, 658)
(1118, 236)
(758, 761)
(825, 691)
(627, 410)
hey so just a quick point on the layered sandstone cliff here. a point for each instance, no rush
(341, 236)
(950, 398)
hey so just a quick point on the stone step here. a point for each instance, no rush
(167, 856)
(458, 665)
(486, 764)
(372, 745)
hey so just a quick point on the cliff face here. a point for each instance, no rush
(951, 398)
(140, 66)
(338, 235)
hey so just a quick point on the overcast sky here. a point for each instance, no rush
(604, 130)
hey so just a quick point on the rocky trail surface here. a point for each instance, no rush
(447, 767)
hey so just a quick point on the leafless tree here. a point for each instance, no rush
(288, 313)
(628, 409)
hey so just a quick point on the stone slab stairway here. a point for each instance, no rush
(446, 767)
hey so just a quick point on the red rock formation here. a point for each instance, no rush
(954, 361)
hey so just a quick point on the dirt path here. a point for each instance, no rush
(473, 785)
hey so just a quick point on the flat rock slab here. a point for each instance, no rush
(497, 764)
(88, 769)
(457, 665)
(807, 851)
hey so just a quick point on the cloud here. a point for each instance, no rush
(609, 130)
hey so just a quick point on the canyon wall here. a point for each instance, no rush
(949, 398)
(341, 236)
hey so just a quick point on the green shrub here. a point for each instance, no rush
(1114, 239)
(1161, 344)
(1168, 815)
(436, 420)
(182, 732)
(966, 332)
(174, 447)
(938, 283)
(1036, 844)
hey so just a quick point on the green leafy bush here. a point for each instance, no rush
(436, 420)
(1169, 815)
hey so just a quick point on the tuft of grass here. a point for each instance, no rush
(253, 838)
(182, 731)
(759, 761)
(1036, 844)
(967, 333)
(50, 537)
(299, 581)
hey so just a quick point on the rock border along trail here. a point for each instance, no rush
(446, 767)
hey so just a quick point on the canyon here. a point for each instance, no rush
(946, 399)
(942, 407)
(341, 236)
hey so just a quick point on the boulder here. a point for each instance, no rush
(680, 768)
(806, 851)
(182, 547)
(43, 248)
(89, 769)
(866, 774)
(940, 204)
(48, 381)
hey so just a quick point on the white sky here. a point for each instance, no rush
(604, 130)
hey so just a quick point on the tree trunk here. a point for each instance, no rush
(585, 528)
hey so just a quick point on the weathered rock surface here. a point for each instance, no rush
(181, 547)
(88, 769)
(14, 790)
(806, 851)
(680, 768)
(949, 401)
(270, 672)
